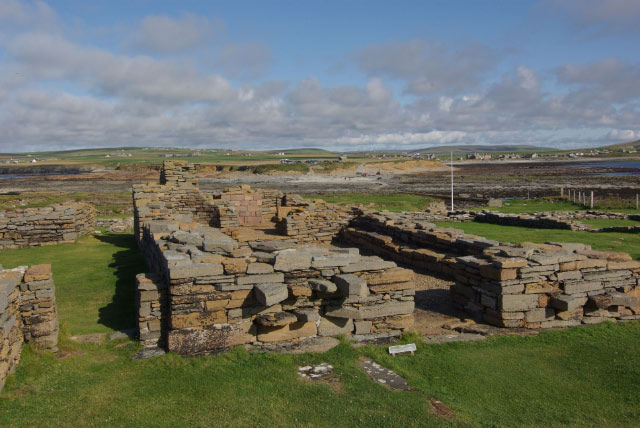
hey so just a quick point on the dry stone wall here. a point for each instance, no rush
(219, 295)
(510, 285)
(177, 195)
(58, 223)
(27, 313)
(306, 221)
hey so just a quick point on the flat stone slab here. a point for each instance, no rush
(448, 338)
(322, 371)
(384, 376)
(147, 353)
(315, 344)
(123, 334)
(91, 339)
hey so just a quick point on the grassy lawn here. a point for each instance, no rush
(625, 242)
(516, 206)
(396, 202)
(577, 377)
(602, 222)
(95, 280)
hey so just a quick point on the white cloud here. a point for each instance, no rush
(624, 134)
(406, 138)
(15, 14)
(164, 35)
(599, 16)
(428, 66)
(56, 92)
(46, 57)
(244, 60)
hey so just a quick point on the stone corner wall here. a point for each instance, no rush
(57, 223)
(179, 173)
(218, 295)
(27, 313)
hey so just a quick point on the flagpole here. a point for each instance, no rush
(451, 181)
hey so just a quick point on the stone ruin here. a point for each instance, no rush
(57, 223)
(215, 282)
(509, 285)
(253, 266)
(27, 313)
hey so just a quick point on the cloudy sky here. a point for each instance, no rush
(341, 74)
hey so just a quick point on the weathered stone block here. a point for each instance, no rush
(568, 303)
(575, 287)
(539, 315)
(367, 265)
(261, 279)
(197, 319)
(351, 286)
(196, 270)
(518, 302)
(363, 327)
(323, 286)
(371, 311)
(288, 332)
(37, 273)
(290, 260)
(259, 268)
(330, 326)
(271, 293)
(498, 274)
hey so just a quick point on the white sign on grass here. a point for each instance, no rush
(399, 349)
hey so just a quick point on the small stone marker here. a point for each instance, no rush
(400, 349)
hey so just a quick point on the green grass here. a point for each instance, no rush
(527, 206)
(396, 202)
(624, 242)
(95, 280)
(577, 377)
(515, 206)
(603, 222)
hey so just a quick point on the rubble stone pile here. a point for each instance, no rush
(219, 295)
(57, 223)
(27, 313)
(116, 225)
(509, 285)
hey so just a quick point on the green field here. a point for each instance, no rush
(528, 206)
(396, 202)
(578, 377)
(625, 242)
(600, 223)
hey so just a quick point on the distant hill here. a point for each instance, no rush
(628, 145)
(303, 151)
(476, 148)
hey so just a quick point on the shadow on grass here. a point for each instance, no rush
(120, 314)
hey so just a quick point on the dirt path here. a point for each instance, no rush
(433, 305)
